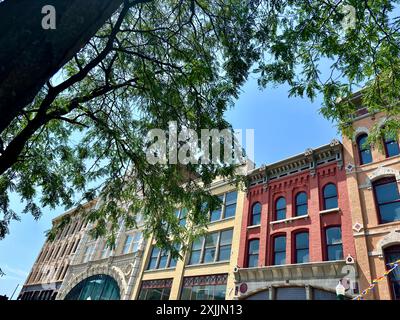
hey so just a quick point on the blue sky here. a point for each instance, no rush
(283, 127)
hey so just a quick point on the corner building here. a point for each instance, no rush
(296, 236)
(373, 177)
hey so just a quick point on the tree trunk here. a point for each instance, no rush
(31, 55)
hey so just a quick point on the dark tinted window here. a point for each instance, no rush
(364, 149)
(301, 204)
(388, 200)
(330, 197)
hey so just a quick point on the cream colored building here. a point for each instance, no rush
(206, 270)
(51, 265)
(99, 272)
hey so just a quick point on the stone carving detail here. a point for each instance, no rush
(349, 168)
(334, 142)
(393, 238)
(308, 152)
(359, 131)
(378, 173)
(358, 227)
(114, 272)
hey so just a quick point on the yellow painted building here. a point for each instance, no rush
(206, 270)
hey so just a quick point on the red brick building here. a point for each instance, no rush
(296, 237)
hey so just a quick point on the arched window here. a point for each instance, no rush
(330, 196)
(302, 247)
(392, 254)
(334, 246)
(301, 204)
(252, 256)
(256, 214)
(280, 250)
(387, 200)
(280, 209)
(391, 146)
(364, 149)
(97, 287)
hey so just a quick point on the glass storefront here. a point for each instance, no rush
(97, 287)
(204, 288)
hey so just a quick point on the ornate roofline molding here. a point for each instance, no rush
(309, 160)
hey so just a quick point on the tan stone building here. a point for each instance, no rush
(50, 267)
(373, 177)
(98, 272)
(206, 271)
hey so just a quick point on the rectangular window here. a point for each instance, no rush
(280, 250)
(334, 245)
(181, 215)
(252, 260)
(388, 200)
(214, 247)
(227, 209)
(302, 247)
(161, 259)
(210, 287)
(155, 289)
(105, 252)
(127, 244)
(88, 253)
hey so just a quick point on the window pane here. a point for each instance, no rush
(366, 156)
(211, 239)
(301, 210)
(231, 197)
(152, 263)
(195, 257)
(256, 214)
(215, 215)
(224, 253)
(301, 198)
(127, 244)
(331, 203)
(390, 212)
(302, 240)
(280, 258)
(256, 219)
(254, 246)
(281, 203)
(198, 243)
(226, 237)
(209, 255)
(335, 252)
(333, 235)
(330, 190)
(280, 244)
(253, 261)
(163, 260)
(302, 256)
(281, 214)
(230, 210)
(392, 149)
(387, 192)
(219, 292)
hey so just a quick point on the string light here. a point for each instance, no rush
(393, 266)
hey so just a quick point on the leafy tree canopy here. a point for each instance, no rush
(185, 61)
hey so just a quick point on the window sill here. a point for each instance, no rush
(221, 220)
(334, 210)
(159, 270)
(254, 227)
(206, 264)
(288, 220)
